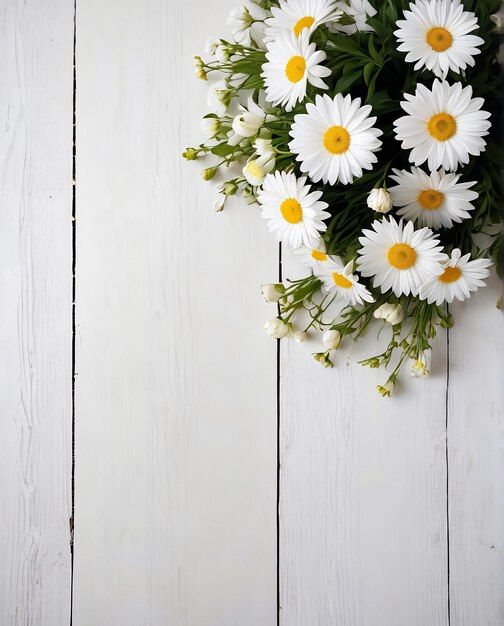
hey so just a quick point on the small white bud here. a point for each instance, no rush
(392, 313)
(385, 391)
(272, 293)
(421, 367)
(332, 339)
(379, 200)
(220, 203)
(277, 328)
(222, 54)
(210, 126)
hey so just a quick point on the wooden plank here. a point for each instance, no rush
(36, 90)
(176, 389)
(363, 537)
(476, 460)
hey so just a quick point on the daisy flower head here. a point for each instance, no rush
(457, 279)
(358, 11)
(296, 15)
(434, 200)
(335, 140)
(399, 257)
(246, 23)
(292, 63)
(340, 279)
(443, 126)
(295, 214)
(435, 35)
(314, 257)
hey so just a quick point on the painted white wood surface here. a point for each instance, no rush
(175, 520)
(476, 460)
(36, 83)
(363, 492)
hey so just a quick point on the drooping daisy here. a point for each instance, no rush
(335, 139)
(435, 34)
(434, 201)
(295, 214)
(292, 63)
(246, 24)
(296, 15)
(443, 126)
(340, 278)
(458, 277)
(358, 12)
(399, 257)
(314, 257)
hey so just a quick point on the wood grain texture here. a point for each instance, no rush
(363, 537)
(476, 460)
(36, 80)
(176, 389)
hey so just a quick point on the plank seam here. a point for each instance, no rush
(74, 265)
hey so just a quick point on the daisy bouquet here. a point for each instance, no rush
(368, 136)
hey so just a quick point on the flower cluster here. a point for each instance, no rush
(368, 136)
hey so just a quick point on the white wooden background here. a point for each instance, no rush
(391, 513)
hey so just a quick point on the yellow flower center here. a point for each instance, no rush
(430, 199)
(295, 69)
(291, 211)
(318, 255)
(337, 140)
(401, 256)
(304, 22)
(442, 126)
(450, 275)
(341, 281)
(439, 39)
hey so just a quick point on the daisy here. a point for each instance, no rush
(341, 280)
(399, 257)
(296, 15)
(443, 126)
(314, 257)
(456, 280)
(435, 34)
(358, 11)
(295, 214)
(335, 140)
(246, 24)
(292, 63)
(434, 201)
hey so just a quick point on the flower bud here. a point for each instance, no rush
(222, 54)
(392, 313)
(256, 170)
(323, 359)
(209, 173)
(277, 328)
(220, 203)
(332, 339)
(190, 154)
(229, 188)
(301, 336)
(248, 124)
(210, 126)
(385, 391)
(420, 367)
(211, 45)
(379, 200)
(272, 293)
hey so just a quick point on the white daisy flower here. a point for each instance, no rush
(295, 214)
(399, 257)
(458, 277)
(434, 201)
(296, 15)
(435, 35)
(444, 126)
(314, 257)
(335, 140)
(340, 279)
(292, 63)
(358, 12)
(257, 168)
